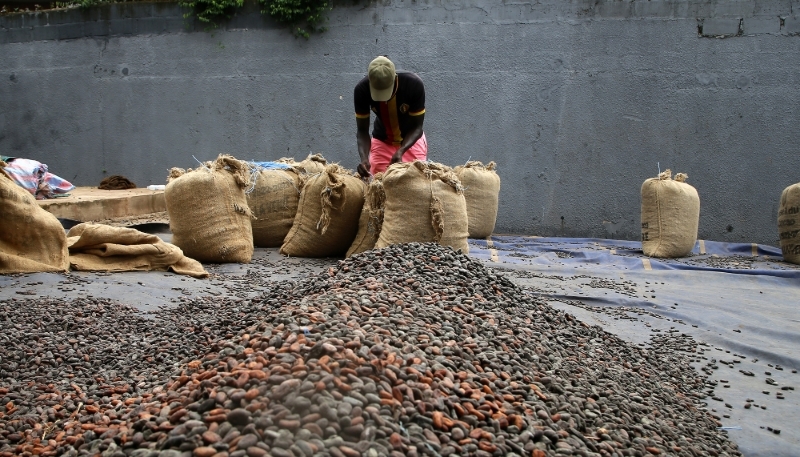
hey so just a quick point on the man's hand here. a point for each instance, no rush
(363, 169)
(397, 157)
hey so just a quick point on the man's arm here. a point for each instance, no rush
(413, 135)
(364, 142)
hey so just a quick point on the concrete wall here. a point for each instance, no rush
(578, 102)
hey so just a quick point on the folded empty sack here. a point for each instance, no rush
(97, 247)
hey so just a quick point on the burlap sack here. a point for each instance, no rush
(327, 216)
(98, 247)
(273, 201)
(312, 164)
(31, 239)
(482, 193)
(424, 203)
(208, 212)
(789, 223)
(371, 220)
(670, 216)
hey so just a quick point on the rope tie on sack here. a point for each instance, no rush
(202, 164)
(377, 202)
(436, 208)
(237, 168)
(437, 216)
(663, 176)
(255, 172)
(333, 192)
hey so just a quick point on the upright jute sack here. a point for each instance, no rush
(208, 212)
(327, 215)
(670, 216)
(371, 220)
(424, 203)
(273, 201)
(789, 223)
(482, 193)
(31, 239)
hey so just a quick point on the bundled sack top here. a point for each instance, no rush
(327, 216)
(208, 212)
(312, 164)
(424, 203)
(482, 193)
(670, 216)
(31, 239)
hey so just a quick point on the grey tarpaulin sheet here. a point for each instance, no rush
(740, 299)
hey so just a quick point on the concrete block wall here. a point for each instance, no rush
(577, 101)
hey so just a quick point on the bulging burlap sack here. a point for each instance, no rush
(312, 164)
(482, 193)
(424, 203)
(273, 202)
(327, 216)
(789, 223)
(670, 216)
(371, 220)
(31, 239)
(208, 212)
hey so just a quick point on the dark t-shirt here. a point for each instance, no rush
(392, 121)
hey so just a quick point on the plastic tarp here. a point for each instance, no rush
(269, 165)
(740, 299)
(627, 255)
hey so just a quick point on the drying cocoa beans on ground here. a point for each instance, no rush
(411, 350)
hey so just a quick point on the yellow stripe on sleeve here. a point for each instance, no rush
(417, 113)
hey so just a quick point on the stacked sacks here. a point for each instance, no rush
(327, 216)
(31, 239)
(424, 203)
(789, 223)
(670, 216)
(371, 220)
(482, 193)
(273, 200)
(208, 212)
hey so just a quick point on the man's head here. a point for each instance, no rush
(381, 76)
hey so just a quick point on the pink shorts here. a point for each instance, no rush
(380, 154)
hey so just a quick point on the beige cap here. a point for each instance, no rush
(381, 76)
